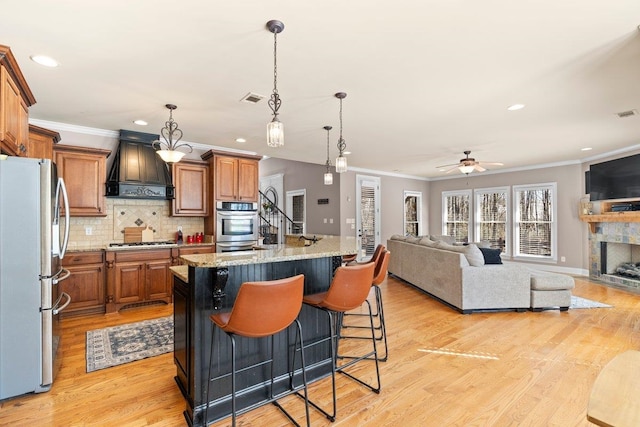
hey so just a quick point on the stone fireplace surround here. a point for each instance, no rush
(623, 245)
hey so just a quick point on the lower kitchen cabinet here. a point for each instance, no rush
(86, 283)
(138, 277)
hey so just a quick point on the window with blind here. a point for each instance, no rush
(535, 225)
(456, 214)
(368, 218)
(412, 213)
(492, 217)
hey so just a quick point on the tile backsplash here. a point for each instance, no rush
(129, 213)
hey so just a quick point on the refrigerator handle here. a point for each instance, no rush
(65, 200)
(58, 278)
(56, 306)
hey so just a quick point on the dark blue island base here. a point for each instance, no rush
(212, 289)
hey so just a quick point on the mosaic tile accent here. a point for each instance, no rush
(137, 216)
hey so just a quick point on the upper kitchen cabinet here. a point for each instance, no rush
(41, 142)
(235, 177)
(15, 100)
(191, 181)
(84, 173)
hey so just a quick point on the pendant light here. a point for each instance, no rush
(275, 128)
(328, 176)
(341, 161)
(168, 150)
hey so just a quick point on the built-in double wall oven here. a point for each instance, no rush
(237, 226)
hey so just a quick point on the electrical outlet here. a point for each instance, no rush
(563, 259)
(325, 220)
(88, 231)
(330, 220)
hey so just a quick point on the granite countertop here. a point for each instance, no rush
(181, 271)
(100, 247)
(327, 246)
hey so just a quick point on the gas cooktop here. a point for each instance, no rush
(137, 244)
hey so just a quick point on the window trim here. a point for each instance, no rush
(554, 222)
(477, 193)
(445, 195)
(418, 196)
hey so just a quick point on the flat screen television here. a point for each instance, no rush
(615, 179)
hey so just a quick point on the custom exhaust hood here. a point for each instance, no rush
(137, 171)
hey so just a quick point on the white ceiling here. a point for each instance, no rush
(425, 80)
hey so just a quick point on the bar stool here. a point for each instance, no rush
(348, 290)
(262, 309)
(380, 273)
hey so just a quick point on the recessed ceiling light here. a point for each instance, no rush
(515, 107)
(241, 140)
(586, 149)
(47, 61)
(140, 122)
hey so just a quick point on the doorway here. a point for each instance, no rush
(297, 210)
(367, 215)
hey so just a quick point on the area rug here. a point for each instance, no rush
(125, 343)
(578, 302)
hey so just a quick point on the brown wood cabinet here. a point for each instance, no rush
(136, 277)
(191, 180)
(41, 142)
(191, 250)
(234, 177)
(84, 173)
(15, 100)
(85, 285)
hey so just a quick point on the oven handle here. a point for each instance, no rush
(236, 215)
(236, 245)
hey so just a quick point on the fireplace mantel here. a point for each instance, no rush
(593, 220)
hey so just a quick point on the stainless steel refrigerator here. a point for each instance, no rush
(32, 244)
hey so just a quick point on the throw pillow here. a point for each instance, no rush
(398, 237)
(474, 256)
(491, 256)
(471, 252)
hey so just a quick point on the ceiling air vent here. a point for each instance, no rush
(252, 98)
(628, 113)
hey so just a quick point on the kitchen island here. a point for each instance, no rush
(209, 283)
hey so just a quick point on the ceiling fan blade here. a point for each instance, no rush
(454, 168)
(479, 168)
(448, 166)
(491, 163)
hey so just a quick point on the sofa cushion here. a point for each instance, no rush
(412, 239)
(471, 252)
(425, 241)
(398, 237)
(545, 281)
(491, 256)
(442, 238)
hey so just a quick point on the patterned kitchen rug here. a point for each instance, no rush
(579, 302)
(126, 343)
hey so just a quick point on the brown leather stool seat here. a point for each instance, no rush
(262, 309)
(348, 290)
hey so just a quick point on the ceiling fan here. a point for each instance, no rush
(469, 164)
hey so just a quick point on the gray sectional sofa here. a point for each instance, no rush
(458, 276)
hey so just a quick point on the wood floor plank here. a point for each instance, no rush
(444, 368)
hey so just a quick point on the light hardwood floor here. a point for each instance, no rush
(444, 369)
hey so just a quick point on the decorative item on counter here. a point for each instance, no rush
(199, 237)
(189, 239)
(179, 237)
